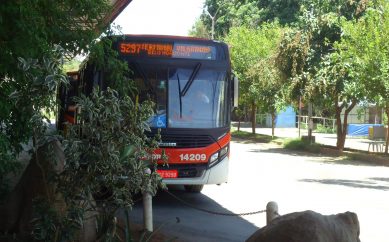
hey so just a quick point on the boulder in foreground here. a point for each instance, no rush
(309, 226)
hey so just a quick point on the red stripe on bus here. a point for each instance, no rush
(192, 155)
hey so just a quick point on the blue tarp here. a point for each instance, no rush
(360, 129)
(286, 118)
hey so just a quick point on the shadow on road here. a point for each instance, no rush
(352, 183)
(194, 225)
(384, 179)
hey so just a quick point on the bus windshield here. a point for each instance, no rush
(202, 105)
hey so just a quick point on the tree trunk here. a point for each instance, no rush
(387, 129)
(239, 118)
(342, 127)
(340, 137)
(273, 124)
(310, 123)
(253, 117)
(246, 114)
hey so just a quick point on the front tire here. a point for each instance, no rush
(194, 188)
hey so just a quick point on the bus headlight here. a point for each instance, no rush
(218, 156)
(223, 151)
(214, 158)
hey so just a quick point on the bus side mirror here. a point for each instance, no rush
(235, 91)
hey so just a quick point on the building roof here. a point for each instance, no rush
(117, 8)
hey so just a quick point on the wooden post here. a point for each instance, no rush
(271, 211)
(299, 116)
(310, 122)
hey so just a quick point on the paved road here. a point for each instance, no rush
(260, 173)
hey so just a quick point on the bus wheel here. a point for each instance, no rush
(193, 188)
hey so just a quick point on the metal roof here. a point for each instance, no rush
(117, 8)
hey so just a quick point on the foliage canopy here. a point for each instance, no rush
(35, 38)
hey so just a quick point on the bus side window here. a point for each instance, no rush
(235, 90)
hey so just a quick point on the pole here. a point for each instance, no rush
(310, 122)
(271, 211)
(299, 117)
(148, 211)
(148, 208)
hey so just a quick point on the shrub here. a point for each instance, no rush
(323, 129)
(301, 145)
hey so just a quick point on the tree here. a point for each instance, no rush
(234, 13)
(365, 41)
(199, 30)
(286, 12)
(303, 50)
(267, 88)
(248, 47)
(35, 36)
(339, 83)
(225, 14)
(29, 31)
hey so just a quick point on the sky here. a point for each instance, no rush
(162, 17)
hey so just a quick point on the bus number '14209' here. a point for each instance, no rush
(193, 157)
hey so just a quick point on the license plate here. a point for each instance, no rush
(168, 173)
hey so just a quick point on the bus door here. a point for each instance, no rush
(67, 110)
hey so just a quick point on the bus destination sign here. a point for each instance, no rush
(176, 50)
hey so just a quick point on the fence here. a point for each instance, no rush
(328, 123)
(271, 210)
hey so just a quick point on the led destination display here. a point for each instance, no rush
(168, 50)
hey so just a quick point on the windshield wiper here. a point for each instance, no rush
(191, 79)
(179, 90)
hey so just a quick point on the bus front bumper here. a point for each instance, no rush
(215, 175)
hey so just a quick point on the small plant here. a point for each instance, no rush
(301, 145)
(303, 126)
(323, 129)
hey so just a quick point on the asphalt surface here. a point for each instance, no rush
(260, 173)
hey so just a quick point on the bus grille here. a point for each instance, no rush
(186, 141)
(186, 170)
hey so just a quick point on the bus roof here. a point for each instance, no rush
(166, 37)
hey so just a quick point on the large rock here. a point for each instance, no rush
(309, 226)
(17, 210)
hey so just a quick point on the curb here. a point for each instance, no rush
(356, 155)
